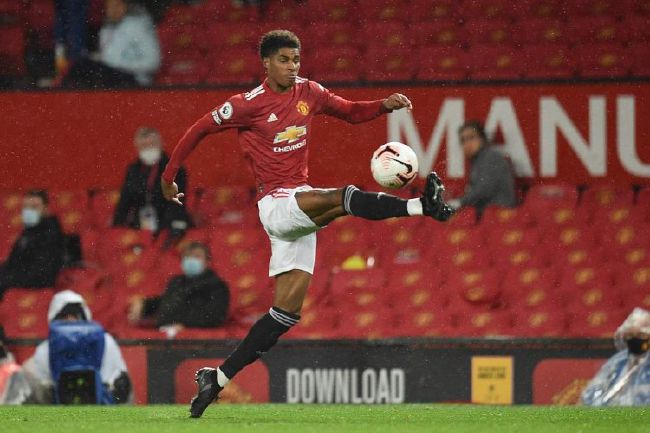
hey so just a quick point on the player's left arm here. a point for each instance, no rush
(362, 111)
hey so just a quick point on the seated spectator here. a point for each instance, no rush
(624, 380)
(491, 182)
(37, 255)
(69, 306)
(142, 205)
(196, 299)
(14, 388)
(129, 52)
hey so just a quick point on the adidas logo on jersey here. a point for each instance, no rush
(272, 118)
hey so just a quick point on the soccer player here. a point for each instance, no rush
(274, 123)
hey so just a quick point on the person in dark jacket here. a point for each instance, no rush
(198, 298)
(491, 181)
(37, 255)
(141, 204)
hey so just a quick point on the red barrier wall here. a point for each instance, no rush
(84, 139)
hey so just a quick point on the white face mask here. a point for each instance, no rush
(150, 155)
(30, 217)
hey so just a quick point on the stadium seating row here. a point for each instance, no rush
(454, 40)
(548, 261)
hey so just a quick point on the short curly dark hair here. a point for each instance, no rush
(272, 41)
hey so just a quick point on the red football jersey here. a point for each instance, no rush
(274, 129)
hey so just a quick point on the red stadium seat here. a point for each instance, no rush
(432, 10)
(294, 15)
(594, 323)
(542, 322)
(347, 283)
(489, 31)
(102, 208)
(316, 324)
(477, 286)
(442, 64)
(177, 15)
(484, 323)
(232, 35)
(425, 322)
(530, 287)
(601, 29)
(442, 32)
(402, 241)
(624, 235)
(233, 66)
(335, 64)
(183, 68)
(496, 216)
(543, 196)
(251, 292)
(583, 278)
(345, 240)
(577, 8)
(176, 39)
(384, 65)
(421, 286)
(634, 279)
(569, 237)
(637, 7)
(640, 54)
(541, 31)
(11, 205)
(123, 246)
(212, 205)
(228, 12)
(367, 323)
(549, 61)
(332, 11)
(607, 196)
(24, 312)
(602, 60)
(385, 36)
(491, 9)
(540, 9)
(488, 62)
(577, 255)
(636, 28)
(633, 255)
(465, 218)
(323, 36)
(12, 51)
(71, 207)
(388, 11)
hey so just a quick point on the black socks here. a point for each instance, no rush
(261, 337)
(373, 205)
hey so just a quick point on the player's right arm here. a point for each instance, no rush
(231, 114)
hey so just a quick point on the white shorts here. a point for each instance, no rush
(292, 233)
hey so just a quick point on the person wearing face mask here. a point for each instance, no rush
(37, 255)
(141, 204)
(198, 298)
(624, 380)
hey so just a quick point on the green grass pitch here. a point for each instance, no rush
(324, 418)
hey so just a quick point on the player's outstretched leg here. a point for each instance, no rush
(377, 206)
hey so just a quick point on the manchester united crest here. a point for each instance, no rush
(303, 108)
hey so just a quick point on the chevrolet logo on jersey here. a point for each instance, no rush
(290, 134)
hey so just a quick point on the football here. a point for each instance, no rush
(394, 165)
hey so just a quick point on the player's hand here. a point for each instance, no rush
(397, 101)
(170, 192)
